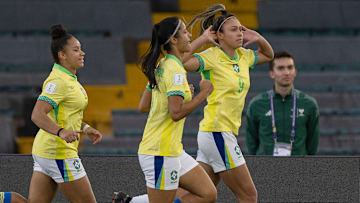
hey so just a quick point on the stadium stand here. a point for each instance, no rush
(27, 61)
(88, 16)
(104, 61)
(328, 68)
(318, 14)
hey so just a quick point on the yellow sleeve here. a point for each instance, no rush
(250, 55)
(175, 81)
(205, 58)
(53, 92)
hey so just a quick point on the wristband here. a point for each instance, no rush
(86, 126)
(58, 132)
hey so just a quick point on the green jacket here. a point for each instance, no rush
(259, 135)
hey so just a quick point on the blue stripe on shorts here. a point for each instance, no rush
(220, 144)
(60, 164)
(158, 164)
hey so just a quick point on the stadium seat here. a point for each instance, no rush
(81, 15)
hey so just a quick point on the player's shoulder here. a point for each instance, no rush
(55, 78)
(209, 51)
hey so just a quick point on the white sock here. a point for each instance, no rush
(140, 199)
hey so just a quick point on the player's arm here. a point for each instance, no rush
(265, 52)
(40, 118)
(145, 101)
(179, 110)
(207, 36)
(192, 64)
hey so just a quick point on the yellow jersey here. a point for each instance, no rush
(231, 81)
(68, 99)
(162, 135)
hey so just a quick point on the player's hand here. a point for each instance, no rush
(93, 134)
(250, 36)
(69, 135)
(210, 36)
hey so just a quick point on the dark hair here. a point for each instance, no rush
(277, 55)
(207, 18)
(161, 32)
(59, 38)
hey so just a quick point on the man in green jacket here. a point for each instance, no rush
(272, 125)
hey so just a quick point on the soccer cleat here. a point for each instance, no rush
(121, 197)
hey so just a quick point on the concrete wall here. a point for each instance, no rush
(278, 179)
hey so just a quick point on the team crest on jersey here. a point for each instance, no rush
(236, 68)
(83, 91)
(77, 165)
(238, 151)
(173, 176)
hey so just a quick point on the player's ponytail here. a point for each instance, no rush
(208, 18)
(161, 34)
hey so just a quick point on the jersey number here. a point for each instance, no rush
(241, 85)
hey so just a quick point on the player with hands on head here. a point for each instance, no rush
(227, 66)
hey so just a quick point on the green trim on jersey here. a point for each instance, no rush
(236, 57)
(255, 61)
(180, 93)
(201, 68)
(53, 104)
(174, 58)
(206, 74)
(63, 69)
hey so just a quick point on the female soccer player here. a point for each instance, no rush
(165, 165)
(58, 113)
(227, 67)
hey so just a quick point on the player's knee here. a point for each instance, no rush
(211, 194)
(250, 195)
